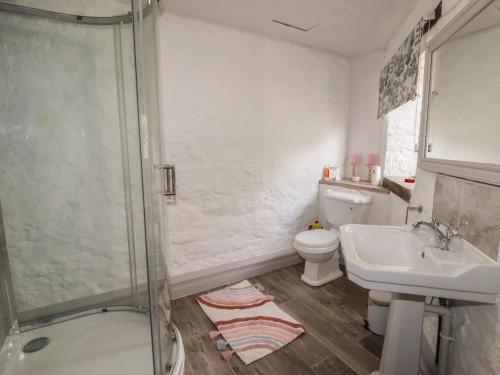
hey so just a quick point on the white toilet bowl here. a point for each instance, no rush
(319, 248)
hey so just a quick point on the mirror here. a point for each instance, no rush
(461, 114)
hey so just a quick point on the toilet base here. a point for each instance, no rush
(331, 277)
(316, 274)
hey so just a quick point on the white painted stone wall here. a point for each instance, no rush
(61, 167)
(249, 123)
(401, 135)
(365, 130)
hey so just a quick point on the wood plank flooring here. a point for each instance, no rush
(335, 343)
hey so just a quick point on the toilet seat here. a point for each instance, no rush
(317, 241)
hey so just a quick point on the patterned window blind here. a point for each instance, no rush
(398, 79)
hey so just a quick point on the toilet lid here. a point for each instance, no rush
(348, 195)
(318, 238)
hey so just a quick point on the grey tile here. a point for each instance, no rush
(447, 200)
(480, 217)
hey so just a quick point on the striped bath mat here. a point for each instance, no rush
(252, 325)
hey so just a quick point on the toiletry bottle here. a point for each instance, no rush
(326, 172)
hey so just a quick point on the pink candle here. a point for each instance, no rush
(355, 159)
(372, 159)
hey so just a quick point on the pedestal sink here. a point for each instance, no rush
(404, 262)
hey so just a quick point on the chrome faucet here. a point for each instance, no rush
(444, 236)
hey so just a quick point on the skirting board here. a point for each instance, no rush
(199, 281)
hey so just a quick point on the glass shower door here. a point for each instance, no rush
(163, 333)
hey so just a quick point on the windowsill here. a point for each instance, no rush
(398, 186)
(361, 185)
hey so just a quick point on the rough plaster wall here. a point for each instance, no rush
(364, 128)
(401, 137)
(401, 133)
(249, 123)
(61, 167)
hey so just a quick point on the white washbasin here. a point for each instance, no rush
(397, 259)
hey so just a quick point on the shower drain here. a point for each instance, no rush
(36, 345)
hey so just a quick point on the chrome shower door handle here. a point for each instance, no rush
(168, 179)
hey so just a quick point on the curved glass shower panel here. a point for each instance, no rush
(82, 213)
(71, 175)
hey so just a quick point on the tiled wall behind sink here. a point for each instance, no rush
(471, 207)
(475, 209)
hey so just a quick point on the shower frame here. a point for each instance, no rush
(148, 123)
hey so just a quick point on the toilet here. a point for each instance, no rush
(320, 247)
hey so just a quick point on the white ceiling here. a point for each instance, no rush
(347, 27)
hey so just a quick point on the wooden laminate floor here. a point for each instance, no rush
(335, 343)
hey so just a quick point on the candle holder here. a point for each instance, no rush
(355, 177)
(372, 161)
(370, 172)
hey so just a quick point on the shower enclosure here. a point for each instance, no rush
(83, 275)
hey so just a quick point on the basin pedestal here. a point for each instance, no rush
(401, 353)
(399, 260)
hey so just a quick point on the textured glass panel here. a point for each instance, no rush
(62, 181)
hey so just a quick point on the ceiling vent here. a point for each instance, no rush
(305, 15)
